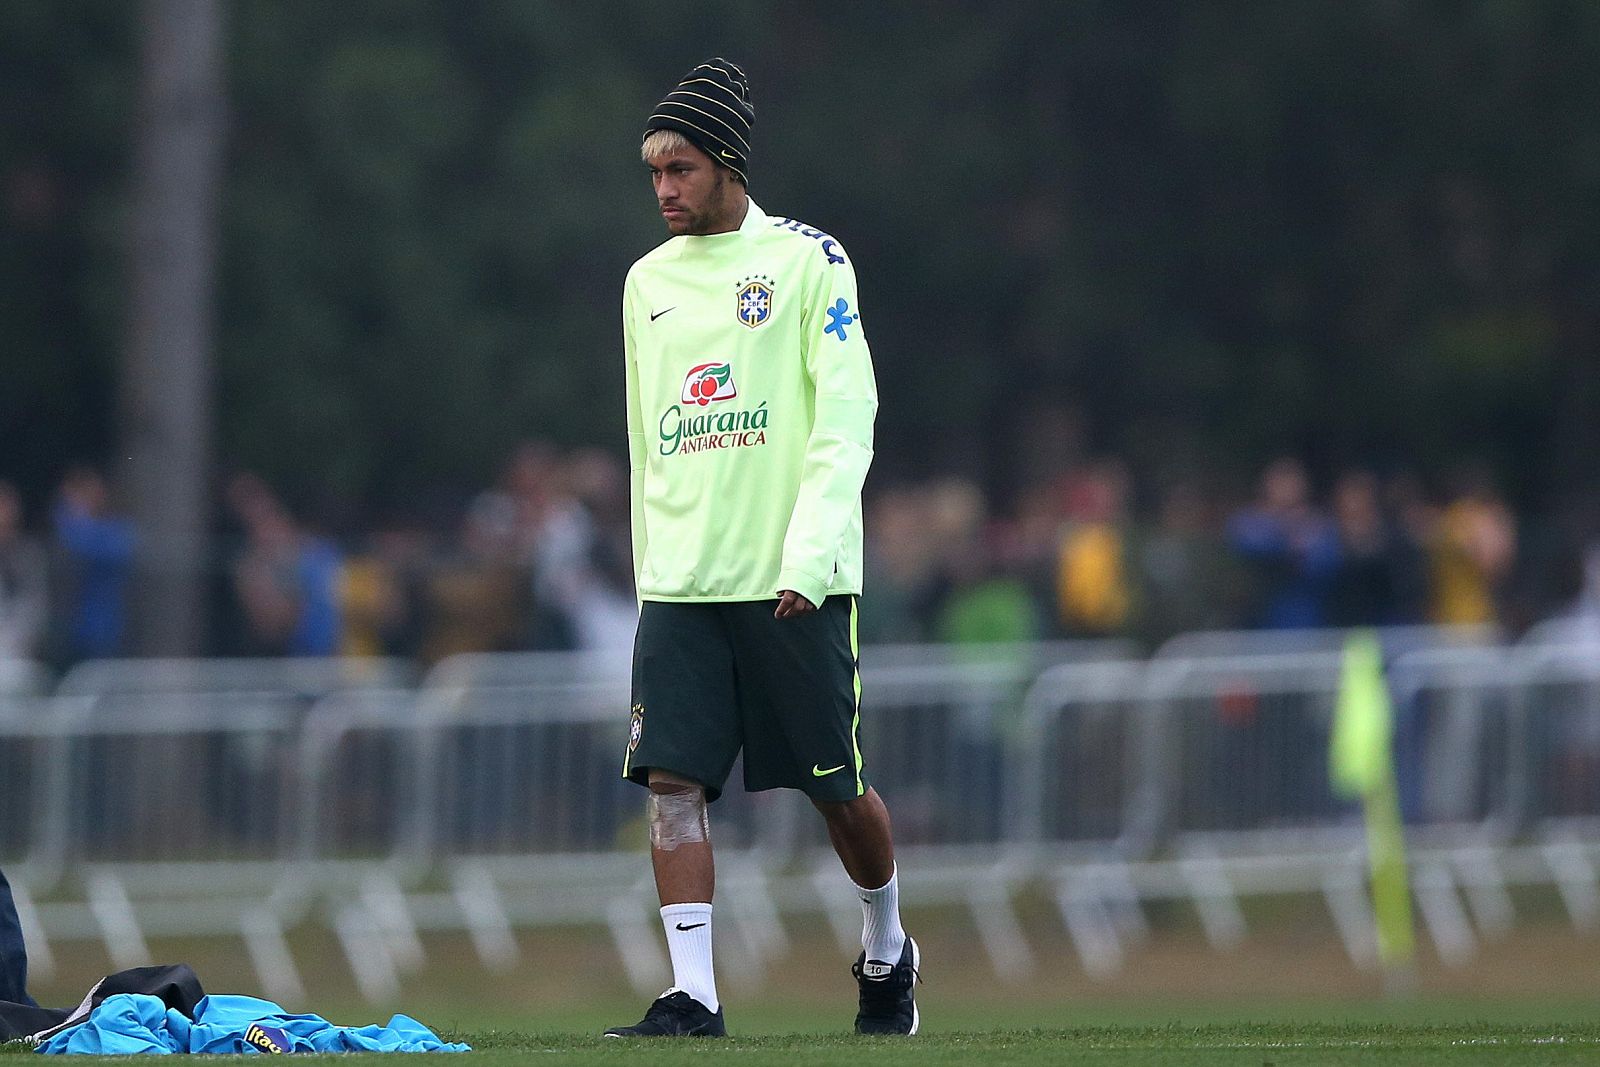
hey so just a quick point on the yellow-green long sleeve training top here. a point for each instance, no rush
(750, 409)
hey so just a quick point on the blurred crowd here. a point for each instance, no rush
(1086, 555)
(540, 560)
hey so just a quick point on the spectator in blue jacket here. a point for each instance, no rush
(286, 579)
(1292, 546)
(97, 547)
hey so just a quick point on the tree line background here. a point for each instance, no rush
(1183, 234)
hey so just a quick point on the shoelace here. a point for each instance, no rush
(675, 1004)
(671, 1006)
(885, 990)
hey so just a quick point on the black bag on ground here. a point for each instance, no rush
(176, 984)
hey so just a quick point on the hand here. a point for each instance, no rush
(792, 603)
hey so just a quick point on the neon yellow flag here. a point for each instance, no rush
(1360, 757)
(1361, 764)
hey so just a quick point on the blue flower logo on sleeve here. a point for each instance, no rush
(839, 318)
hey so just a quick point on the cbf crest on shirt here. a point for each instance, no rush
(750, 408)
(754, 306)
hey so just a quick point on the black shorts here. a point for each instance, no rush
(710, 679)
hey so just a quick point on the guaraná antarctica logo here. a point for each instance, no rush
(708, 382)
(701, 431)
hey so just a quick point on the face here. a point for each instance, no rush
(695, 194)
(1284, 486)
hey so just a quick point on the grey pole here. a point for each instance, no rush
(167, 369)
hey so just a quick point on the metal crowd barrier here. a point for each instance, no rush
(155, 798)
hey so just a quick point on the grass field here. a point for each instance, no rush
(1267, 1044)
(1288, 996)
(1168, 1045)
(768, 1034)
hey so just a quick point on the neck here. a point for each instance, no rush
(733, 217)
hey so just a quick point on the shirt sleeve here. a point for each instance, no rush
(839, 447)
(636, 442)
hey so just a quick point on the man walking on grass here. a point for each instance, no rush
(750, 401)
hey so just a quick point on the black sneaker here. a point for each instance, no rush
(888, 999)
(675, 1014)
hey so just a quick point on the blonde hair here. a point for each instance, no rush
(663, 143)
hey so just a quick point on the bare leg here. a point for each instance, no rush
(680, 853)
(684, 868)
(861, 835)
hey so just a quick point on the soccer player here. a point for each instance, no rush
(750, 407)
(13, 956)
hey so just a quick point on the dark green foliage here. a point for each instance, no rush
(1367, 231)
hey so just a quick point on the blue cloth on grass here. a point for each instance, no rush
(130, 1023)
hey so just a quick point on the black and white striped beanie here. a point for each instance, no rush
(711, 107)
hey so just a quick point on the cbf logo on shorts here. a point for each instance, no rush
(708, 382)
(754, 305)
(636, 727)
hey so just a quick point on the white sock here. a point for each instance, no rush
(689, 942)
(882, 937)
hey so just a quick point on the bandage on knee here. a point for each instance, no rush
(678, 818)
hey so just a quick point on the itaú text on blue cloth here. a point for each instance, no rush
(132, 1023)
